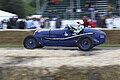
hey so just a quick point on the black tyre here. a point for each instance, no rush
(30, 42)
(85, 43)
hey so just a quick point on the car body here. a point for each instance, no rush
(86, 40)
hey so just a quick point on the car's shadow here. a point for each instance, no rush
(69, 48)
(60, 48)
(93, 51)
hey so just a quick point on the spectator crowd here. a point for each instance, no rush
(102, 21)
(30, 23)
(46, 22)
(54, 20)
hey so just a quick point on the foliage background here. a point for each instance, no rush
(20, 7)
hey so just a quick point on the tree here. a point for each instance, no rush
(20, 7)
(13, 6)
(29, 10)
(33, 3)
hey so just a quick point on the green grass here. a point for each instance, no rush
(110, 45)
(9, 44)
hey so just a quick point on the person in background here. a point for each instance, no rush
(102, 21)
(85, 21)
(12, 23)
(97, 18)
(116, 21)
(4, 24)
(58, 23)
(28, 23)
(36, 23)
(21, 23)
(1, 27)
(109, 22)
(42, 22)
(91, 23)
(46, 22)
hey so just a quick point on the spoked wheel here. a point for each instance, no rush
(85, 43)
(30, 42)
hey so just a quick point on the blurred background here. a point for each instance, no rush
(30, 14)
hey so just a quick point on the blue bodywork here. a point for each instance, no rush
(63, 37)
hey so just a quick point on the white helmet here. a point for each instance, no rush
(80, 22)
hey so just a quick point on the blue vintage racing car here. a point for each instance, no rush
(85, 40)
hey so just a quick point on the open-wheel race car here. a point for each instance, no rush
(85, 40)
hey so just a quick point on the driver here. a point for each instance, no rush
(79, 28)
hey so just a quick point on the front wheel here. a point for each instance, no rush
(85, 43)
(30, 42)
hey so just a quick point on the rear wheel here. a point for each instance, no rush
(85, 43)
(30, 42)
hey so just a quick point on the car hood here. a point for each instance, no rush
(93, 30)
(46, 31)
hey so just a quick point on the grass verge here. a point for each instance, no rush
(9, 44)
(110, 45)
